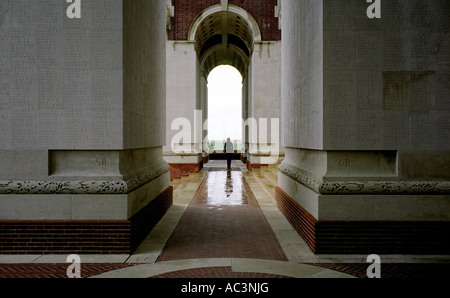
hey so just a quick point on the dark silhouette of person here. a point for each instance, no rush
(228, 148)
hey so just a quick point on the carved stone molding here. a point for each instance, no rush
(365, 187)
(116, 186)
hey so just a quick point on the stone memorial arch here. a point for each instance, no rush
(207, 34)
(87, 106)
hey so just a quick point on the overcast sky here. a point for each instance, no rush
(225, 103)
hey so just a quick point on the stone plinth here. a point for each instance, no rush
(82, 132)
(363, 109)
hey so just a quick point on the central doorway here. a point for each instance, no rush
(224, 109)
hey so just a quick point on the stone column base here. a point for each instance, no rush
(366, 237)
(183, 170)
(83, 236)
(181, 165)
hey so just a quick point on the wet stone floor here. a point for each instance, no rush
(223, 221)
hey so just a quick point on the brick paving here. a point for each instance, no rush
(223, 221)
(394, 271)
(388, 271)
(55, 270)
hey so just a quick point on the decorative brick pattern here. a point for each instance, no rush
(383, 237)
(146, 219)
(60, 237)
(187, 10)
(300, 219)
(55, 270)
(399, 271)
(83, 237)
(365, 237)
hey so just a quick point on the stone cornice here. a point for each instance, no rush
(365, 187)
(115, 186)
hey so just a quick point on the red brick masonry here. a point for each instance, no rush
(365, 237)
(182, 170)
(251, 166)
(83, 237)
(187, 10)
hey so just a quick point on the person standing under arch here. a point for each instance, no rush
(229, 151)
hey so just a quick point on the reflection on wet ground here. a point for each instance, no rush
(223, 221)
(224, 189)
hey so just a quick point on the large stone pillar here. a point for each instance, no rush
(365, 111)
(263, 110)
(81, 124)
(183, 150)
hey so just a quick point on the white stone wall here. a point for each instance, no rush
(354, 83)
(61, 79)
(80, 116)
(386, 81)
(365, 109)
(302, 74)
(182, 91)
(144, 98)
(265, 94)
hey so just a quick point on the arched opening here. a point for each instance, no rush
(224, 107)
(224, 43)
(224, 37)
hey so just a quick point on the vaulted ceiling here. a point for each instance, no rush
(224, 38)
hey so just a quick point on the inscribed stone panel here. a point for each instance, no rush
(24, 129)
(50, 14)
(106, 15)
(396, 50)
(51, 89)
(369, 50)
(23, 48)
(23, 13)
(5, 49)
(5, 129)
(443, 91)
(106, 49)
(78, 89)
(78, 49)
(340, 109)
(4, 89)
(396, 15)
(24, 89)
(404, 90)
(4, 15)
(50, 128)
(396, 129)
(50, 48)
(339, 50)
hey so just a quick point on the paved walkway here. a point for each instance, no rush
(213, 212)
(223, 221)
